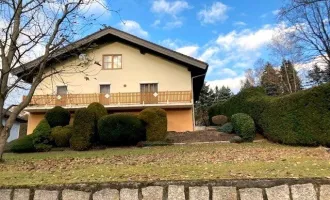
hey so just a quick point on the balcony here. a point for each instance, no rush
(113, 99)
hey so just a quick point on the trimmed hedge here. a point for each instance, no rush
(226, 128)
(243, 126)
(121, 129)
(58, 116)
(22, 145)
(156, 123)
(84, 128)
(62, 135)
(219, 120)
(98, 109)
(301, 118)
(41, 134)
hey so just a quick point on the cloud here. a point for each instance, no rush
(239, 23)
(215, 13)
(171, 8)
(169, 12)
(233, 83)
(189, 50)
(134, 28)
(246, 39)
(276, 12)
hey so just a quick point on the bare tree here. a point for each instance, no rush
(307, 30)
(27, 25)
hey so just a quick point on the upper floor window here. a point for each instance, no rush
(112, 61)
(62, 90)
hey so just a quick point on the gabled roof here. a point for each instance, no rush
(109, 34)
(122, 35)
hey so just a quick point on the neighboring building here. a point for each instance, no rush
(15, 130)
(124, 73)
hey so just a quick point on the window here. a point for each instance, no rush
(112, 61)
(62, 90)
(105, 89)
(149, 87)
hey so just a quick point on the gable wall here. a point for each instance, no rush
(136, 68)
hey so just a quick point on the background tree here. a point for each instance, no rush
(308, 30)
(27, 26)
(289, 78)
(222, 94)
(206, 99)
(270, 80)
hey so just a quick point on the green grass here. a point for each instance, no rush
(205, 161)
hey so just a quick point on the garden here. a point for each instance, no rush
(92, 127)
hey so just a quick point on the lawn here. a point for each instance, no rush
(193, 162)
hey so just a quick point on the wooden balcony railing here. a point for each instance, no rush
(132, 98)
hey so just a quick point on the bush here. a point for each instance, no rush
(42, 133)
(22, 145)
(244, 126)
(83, 127)
(156, 123)
(79, 143)
(301, 118)
(58, 116)
(43, 147)
(62, 135)
(98, 109)
(227, 128)
(121, 129)
(219, 120)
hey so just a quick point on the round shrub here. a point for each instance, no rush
(22, 145)
(244, 126)
(62, 135)
(226, 128)
(98, 109)
(83, 129)
(41, 134)
(121, 129)
(58, 116)
(79, 143)
(219, 120)
(156, 123)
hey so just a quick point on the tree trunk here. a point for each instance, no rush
(4, 133)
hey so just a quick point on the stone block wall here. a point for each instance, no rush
(276, 189)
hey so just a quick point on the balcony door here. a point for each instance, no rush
(149, 93)
(105, 94)
(61, 95)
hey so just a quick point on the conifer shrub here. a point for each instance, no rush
(243, 126)
(156, 123)
(62, 135)
(58, 116)
(121, 129)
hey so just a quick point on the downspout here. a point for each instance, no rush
(192, 95)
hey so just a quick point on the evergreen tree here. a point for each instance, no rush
(289, 77)
(223, 94)
(206, 99)
(316, 75)
(270, 80)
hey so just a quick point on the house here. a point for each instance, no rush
(15, 130)
(124, 73)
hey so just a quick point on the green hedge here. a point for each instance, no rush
(121, 129)
(226, 128)
(62, 135)
(84, 128)
(22, 145)
(98, 109)
(156, 123)
(42, 134)
(243, 126)
(301, 118)
(58, 116)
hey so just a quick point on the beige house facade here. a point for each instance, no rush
(122, 72)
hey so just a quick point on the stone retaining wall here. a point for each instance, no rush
(276, 189)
